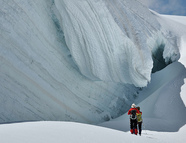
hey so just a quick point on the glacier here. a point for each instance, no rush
(78, 60)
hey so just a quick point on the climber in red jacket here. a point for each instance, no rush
(133, 119)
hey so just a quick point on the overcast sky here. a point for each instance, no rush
(170, 7)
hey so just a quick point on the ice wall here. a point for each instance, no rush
(114, 40)
(38, 77)
(74, 59)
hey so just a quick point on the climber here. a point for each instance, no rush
(139, 119)
(133, 119)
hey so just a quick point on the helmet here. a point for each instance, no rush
(133, 105)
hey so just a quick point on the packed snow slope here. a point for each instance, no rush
(79, 60)
(69, 132)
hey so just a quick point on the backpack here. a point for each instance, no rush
(133, 115)
(139, 117)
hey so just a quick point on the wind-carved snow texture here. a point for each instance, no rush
(77, 60)
(114, 40)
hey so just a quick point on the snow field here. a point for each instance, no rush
(69, 132)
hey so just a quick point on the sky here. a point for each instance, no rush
(168, 7)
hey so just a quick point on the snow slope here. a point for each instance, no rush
(163, 108)
(68, 132)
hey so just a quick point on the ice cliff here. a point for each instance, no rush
(78, 60)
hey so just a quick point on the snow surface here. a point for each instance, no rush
(68, 132)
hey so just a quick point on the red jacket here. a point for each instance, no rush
(129, 112)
